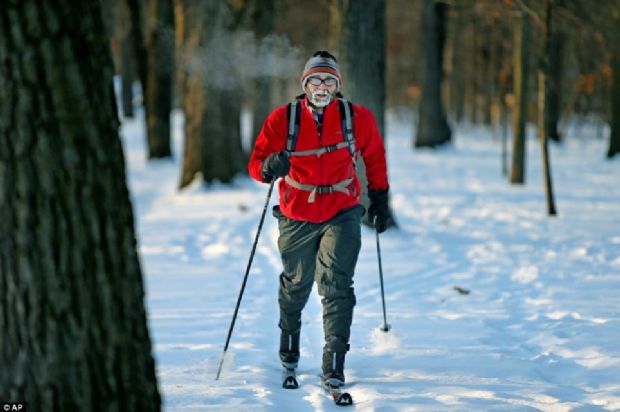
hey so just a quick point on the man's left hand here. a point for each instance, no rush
(379, 210)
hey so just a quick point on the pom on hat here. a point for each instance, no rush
(321, 62)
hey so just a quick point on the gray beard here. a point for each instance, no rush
(319, 103)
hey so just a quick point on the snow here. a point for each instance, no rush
(494, 306)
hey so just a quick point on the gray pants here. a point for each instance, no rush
(326, 253)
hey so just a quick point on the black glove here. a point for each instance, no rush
(379, 211)
(276, 165)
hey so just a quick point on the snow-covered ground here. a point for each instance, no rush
(538, 330)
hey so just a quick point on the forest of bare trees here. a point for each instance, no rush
(446, 61)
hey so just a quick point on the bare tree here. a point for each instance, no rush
(519, 110)
(212, 91)
(192, 84)
(614, 138)
(72, 317)
(159, 75)
(432, 129)
(263, 19)
(544, 90)
(116, 20)
(555, 62)
(222, 154)
(126, 58)
(362, 59)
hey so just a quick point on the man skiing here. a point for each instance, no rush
(313, 143)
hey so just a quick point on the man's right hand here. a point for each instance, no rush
(275, 166)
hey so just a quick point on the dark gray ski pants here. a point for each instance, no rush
(326, 253)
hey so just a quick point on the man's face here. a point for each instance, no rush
(321, 89)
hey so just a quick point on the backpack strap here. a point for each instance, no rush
(346, 115)
(346, 123)
(293, 115)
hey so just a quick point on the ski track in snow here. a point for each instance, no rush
(538, 330)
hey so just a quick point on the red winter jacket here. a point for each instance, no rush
(327, 169)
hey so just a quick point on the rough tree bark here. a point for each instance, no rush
(432, 129)
(72, 316)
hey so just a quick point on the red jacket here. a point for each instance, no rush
(327, 169)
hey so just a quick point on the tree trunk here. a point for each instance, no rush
(222, 154)
(475, 83)
(193, 87)
(211, 97)
(614, 138)
(492, 70)
(159, 76)
(362, 56)
(544, 75)
(72, 316)
(457, 74)
(519, 110)
(433, 129)
(554, 86)
(127, 73)
(264, 22)
(362, 62)
(468, 72)
(116, 18)
(180, 37)
(336, 23)
(136, 25)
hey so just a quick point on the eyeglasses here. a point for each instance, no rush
(329, 82)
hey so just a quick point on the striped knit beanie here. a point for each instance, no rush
(321, 62)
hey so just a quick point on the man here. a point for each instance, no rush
(311, 146)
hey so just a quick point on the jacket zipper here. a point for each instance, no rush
(320, 165)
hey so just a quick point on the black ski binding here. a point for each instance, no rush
(340, 398)
(290, 379)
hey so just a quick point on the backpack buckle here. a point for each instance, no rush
(324, 190)
(331, 148)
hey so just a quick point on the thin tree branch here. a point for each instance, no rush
(531, 12)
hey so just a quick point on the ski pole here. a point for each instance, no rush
(245, 280)
(385, 327)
